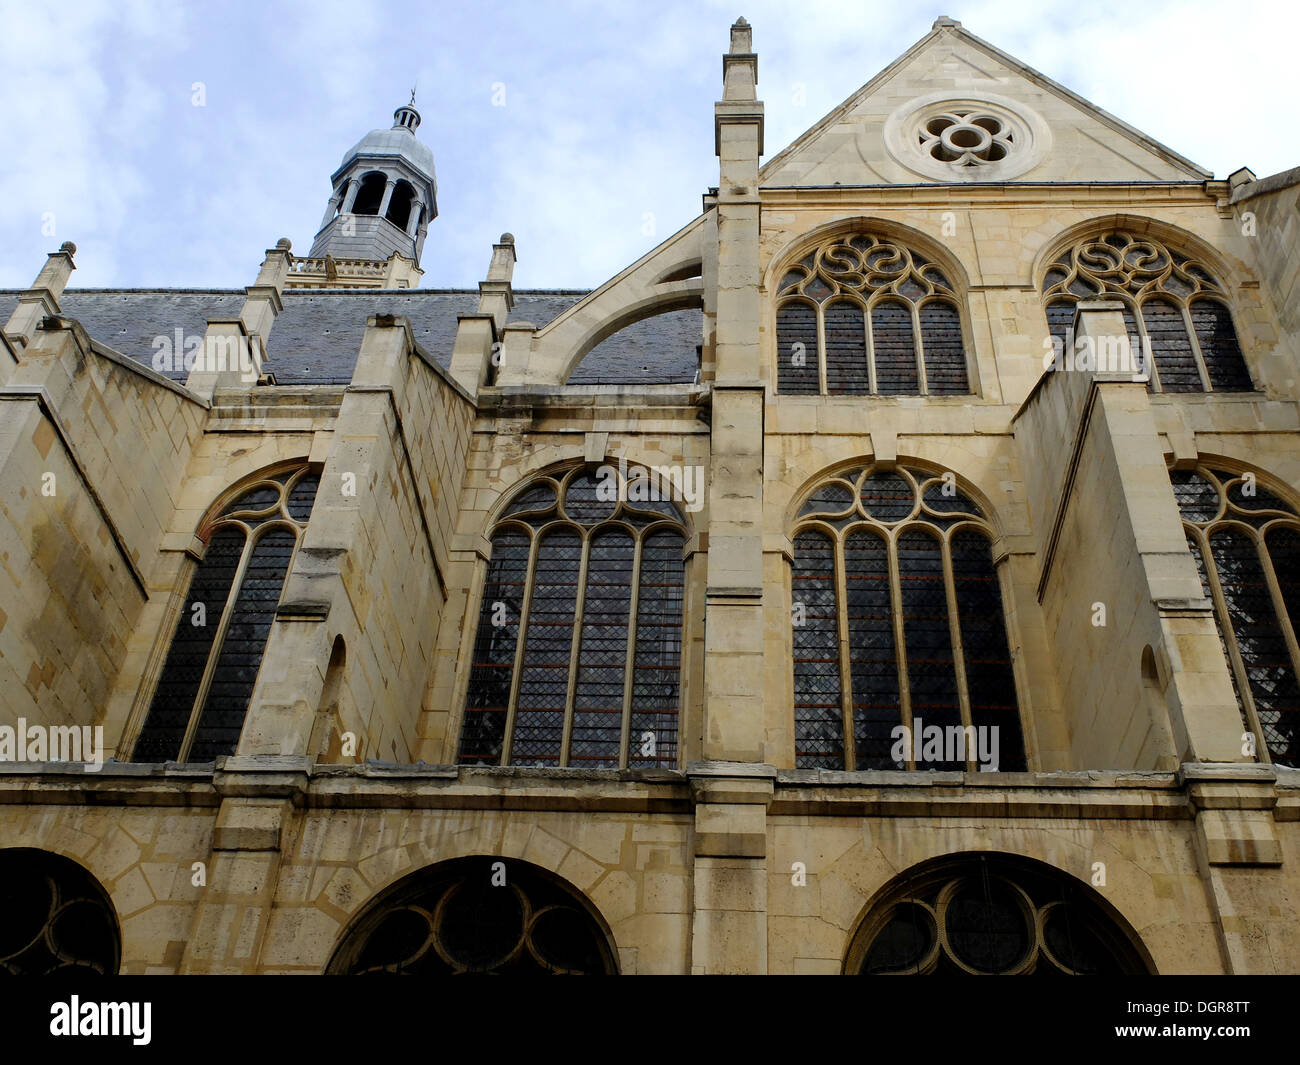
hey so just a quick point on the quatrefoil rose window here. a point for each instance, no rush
(950, 138)
(967, 138)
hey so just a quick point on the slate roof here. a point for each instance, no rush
(317, 335)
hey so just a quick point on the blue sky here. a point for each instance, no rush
(602, 149)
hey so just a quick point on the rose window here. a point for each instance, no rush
(966, 138)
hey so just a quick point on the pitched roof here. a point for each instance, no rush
(316, 337)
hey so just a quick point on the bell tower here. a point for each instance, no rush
(385, 193)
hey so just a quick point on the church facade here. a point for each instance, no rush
(896, 570)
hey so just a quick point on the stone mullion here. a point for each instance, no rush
(1144, 338)
(1279, 604)
(1229, 635)
(871, 347)
(516, 673)
(821, 349)
(900, 636)
(839, 575)
(954, 634)
(629, 659)
(1196, 346)
(918, 349)
(575, 646)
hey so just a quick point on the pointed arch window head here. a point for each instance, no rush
(1245, 541)
(207, 678)
(577, 657)
(862, 315)
(1175, 312)
(901, 656)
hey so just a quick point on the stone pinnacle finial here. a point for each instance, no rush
(943, 21)
(284, 244)
(68, 248)
(507, 238)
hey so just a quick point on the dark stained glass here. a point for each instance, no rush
(945, 355)
(796, 349)
(602, 655)
(58, 920)
(894, 349)
(1269, 669)
(1284, 552)
(222, 718)
(873, 664)
(932, 678)
(818, 714)
(590, 498)
(191, 646)
(302, 497)
(1171, 347)
(1218, 339)
(548, 642)
(990, 681)
(484, 729)
(657, 659)
(888, 497)
(846, 349)
(1198, 499)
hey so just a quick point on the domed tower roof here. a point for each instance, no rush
(385, 193)
(399, 140)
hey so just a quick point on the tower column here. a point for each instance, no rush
(388, 196)
(351, 197)
(330, 210)
(413, 223)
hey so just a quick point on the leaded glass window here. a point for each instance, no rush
(865, 316)
(480, 915)
(1246, 544)
(1174, 309)
(897, 621)
(577, 655)
(991, 915)
(208, 676)
(58, 920)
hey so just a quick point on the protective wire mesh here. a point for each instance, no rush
(602, 655)
(657, 665)
(796, 349)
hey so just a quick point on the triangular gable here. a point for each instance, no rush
(1051, 133)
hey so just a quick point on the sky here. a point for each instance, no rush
(174, 143)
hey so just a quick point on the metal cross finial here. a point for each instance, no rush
(413, 88)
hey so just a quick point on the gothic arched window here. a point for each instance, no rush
(202, 696)
(1174, 310)
(992, 915)
(577, 657)
(861, 316)
(898, 623)
(58, 920)
(477, 915)
(1246, 543)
